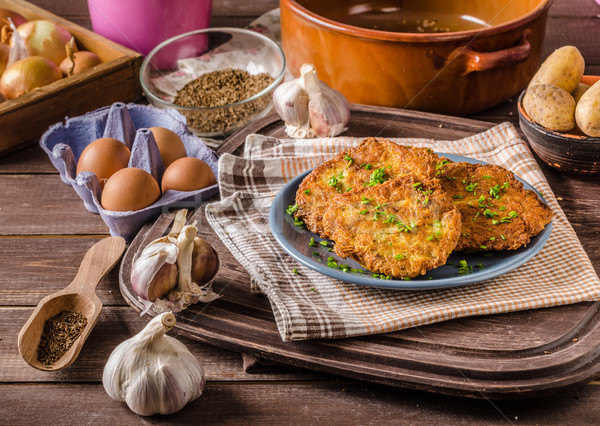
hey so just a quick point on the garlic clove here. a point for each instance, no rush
(205, 261)
(291, 103)
(328, 109)
(154, 272)
(185, 244)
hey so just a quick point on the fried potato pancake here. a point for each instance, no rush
(372, 162)
(497, 212)
(401, 228)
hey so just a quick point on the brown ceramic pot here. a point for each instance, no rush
(456, 73)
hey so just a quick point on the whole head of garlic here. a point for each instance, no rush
(152, 372)
(310, 108)
(175, 271)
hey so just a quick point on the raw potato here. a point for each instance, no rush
(550, 106)
(563, 68)
(587, 112)
(579, 91)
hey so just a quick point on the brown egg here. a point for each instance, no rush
(169, 144)
(188, 174)
(130, 189)
(103, 157)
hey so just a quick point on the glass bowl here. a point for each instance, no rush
(184, 58)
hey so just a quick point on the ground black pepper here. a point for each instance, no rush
(60, 332)
(221, 88)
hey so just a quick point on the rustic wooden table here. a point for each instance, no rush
(44, 231)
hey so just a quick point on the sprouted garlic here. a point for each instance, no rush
(310, 108)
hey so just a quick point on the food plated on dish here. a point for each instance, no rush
(399, 213)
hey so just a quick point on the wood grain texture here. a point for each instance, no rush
(43, 248)
(35, 201)
(337, 402)
(525, 353)
(115, 325)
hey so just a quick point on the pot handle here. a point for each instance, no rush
(472, 60)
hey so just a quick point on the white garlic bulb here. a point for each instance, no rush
(154, 373)
(163, 273)
(310, 108)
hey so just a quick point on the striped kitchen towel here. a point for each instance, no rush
(309, 305)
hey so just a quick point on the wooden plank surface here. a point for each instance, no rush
(538, 351)
(41, 248)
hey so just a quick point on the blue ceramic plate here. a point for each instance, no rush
(295, 241)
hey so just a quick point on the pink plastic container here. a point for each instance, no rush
(143, 24)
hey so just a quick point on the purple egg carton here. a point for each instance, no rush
(64, 142)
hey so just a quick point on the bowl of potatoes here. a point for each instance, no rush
(559, 113)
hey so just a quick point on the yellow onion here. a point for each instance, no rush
(79, 62)
(27, 74)
(14, 16)
(45, 38)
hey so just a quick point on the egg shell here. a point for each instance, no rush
(130, 189)
(187, 174)
(103, 157)
(170, 146)
(64, 142)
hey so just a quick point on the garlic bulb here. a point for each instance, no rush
(309, 107)
(153, 373)
(164, 275)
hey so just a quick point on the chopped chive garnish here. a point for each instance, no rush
(377, 177)
(311, 242)
(295, 271)
(307, 191)
(292, 208)
(324, 243)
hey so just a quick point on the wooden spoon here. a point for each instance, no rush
(79, 296)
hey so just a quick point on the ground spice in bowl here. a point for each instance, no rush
(219, 89)
(60, 332)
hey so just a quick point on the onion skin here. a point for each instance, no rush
(79, 62)
(45, 38)
(27, 74)
(14, 16)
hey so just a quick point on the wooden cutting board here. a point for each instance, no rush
(521, 354)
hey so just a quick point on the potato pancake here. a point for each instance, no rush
(371, 163)
(497, 212)
(401, 228)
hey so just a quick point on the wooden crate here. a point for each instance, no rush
(24, 119)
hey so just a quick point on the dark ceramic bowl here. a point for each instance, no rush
(568, 152)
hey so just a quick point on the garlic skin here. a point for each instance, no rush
(328, 109)
(310, 108)
(291, 103)
(153, 373)
(154, 272)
